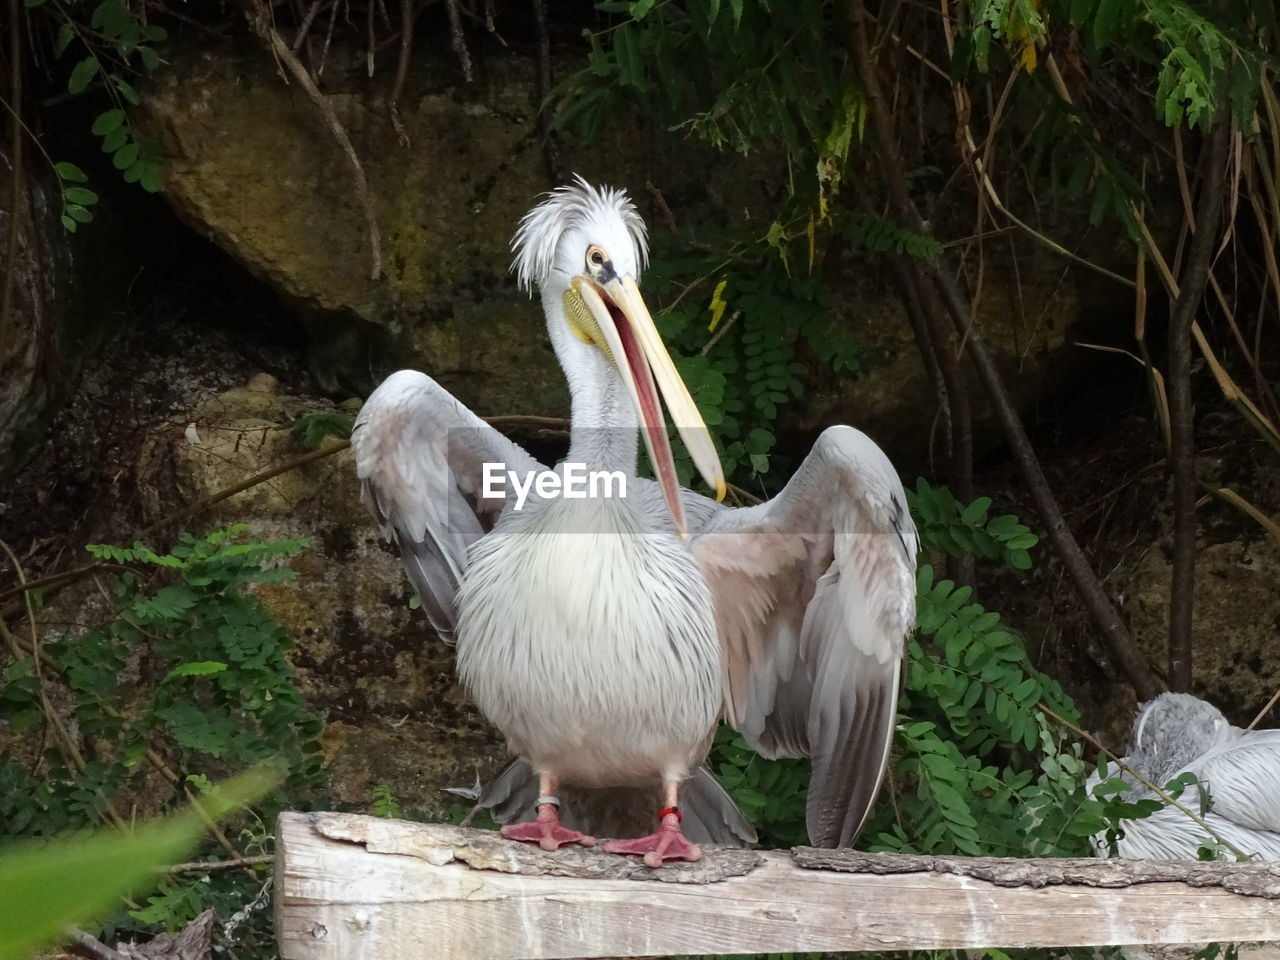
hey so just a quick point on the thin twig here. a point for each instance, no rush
(407, 18)
(458, 39)
(305, 26)
(550, 143)
(90, 947)
(204, 866)
(1182, 448)
(664, 210)
(724, 328)
(1263, 712)
(929, 325)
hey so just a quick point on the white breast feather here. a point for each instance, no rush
(564, 635)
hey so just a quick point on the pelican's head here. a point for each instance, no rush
(584, 248)
(1173, 730)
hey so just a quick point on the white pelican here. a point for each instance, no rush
(1177, 733)
(606, 636)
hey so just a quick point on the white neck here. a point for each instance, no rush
(603, 421)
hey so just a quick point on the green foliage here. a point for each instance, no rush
(864, 232)
(981, 770)
(190, 673)
(110, 44)
(755, 76)
(948, 525)
(216, 685)
(76, 198)
(737, 334)
(708, 62)
(77, 878)
(312, 429)
(1195, 45)
(770, 792)
(385, 803)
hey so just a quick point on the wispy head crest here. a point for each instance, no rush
(572, 205)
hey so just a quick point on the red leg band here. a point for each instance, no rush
(662, 814)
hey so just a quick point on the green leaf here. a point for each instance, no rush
(80, 195)
(200, 668)
(78, 213)
(75, 879)
(759, 441)
(70, 172)
(66, 33)
(640, 8)
(126, 156)
(114, 140)
(127, 91)
(976, 512)
(106, 122)
(82, 74)
(68, 224)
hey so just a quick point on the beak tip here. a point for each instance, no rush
(721, 489)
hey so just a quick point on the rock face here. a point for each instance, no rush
(1025, 322)
(1237, 609)
(254, 167)
(367, 662)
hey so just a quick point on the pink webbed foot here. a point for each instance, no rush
(668, 843)
(546, 831)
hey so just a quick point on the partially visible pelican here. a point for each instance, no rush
(606, 636)
(1177, 733)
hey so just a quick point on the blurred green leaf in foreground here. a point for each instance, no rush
(49, 884)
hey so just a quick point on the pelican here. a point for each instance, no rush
(606, 635)
(1177, 733)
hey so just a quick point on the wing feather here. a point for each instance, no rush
(1243, 779)
(420, 456)
(815, 595)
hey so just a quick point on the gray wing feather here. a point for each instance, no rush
(1243, 779)
(420, 456)
(815, 595)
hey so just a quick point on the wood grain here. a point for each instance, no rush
(361, 888)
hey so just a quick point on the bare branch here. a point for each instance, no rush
(1182, 445)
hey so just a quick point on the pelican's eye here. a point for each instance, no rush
(596, 257)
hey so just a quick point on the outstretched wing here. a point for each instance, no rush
(815, 595)
(421, 457)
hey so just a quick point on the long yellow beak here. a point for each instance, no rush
(620, 323)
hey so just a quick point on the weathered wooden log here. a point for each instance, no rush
(350, 887)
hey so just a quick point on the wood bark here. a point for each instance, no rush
(362, 888)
